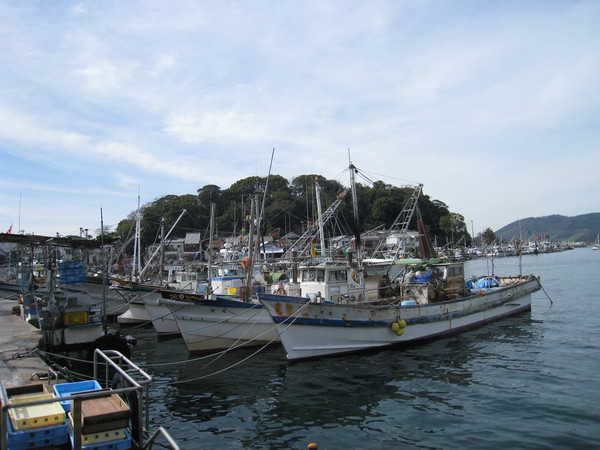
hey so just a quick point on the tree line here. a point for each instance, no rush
(289, 206)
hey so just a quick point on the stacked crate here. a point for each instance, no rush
(104, 420)
(35, 426)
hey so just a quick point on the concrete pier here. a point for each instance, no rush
(17, 338)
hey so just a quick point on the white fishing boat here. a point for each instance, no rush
(219, 322)
(434, 303)
(226, 280)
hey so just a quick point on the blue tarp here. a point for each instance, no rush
(423, 277)
(72, 272)
(484, 283)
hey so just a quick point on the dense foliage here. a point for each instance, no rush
(288, 207)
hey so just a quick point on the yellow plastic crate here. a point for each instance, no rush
(35, 416)
(100, 436)
(75, 318)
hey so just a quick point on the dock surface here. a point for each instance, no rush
(18, 338)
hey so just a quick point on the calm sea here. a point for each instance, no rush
(532, 381)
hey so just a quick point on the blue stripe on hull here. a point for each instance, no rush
(449, 316)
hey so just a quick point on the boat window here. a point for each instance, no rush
(455, 271)
(313, 275)
(337, 275)
(309, 275)
(439, 271)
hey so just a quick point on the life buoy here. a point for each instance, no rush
(245, 262)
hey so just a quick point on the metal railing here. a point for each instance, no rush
(126, 378)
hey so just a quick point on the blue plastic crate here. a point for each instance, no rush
(38, 437)
(64, 389)
(121, 444)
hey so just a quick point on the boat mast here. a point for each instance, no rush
(104, 271)
(356, 221)
(320, 217)
(250, 245)
(210, 248)
(137, 260)
(161, 256)
(256, 242)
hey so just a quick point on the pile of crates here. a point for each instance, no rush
(35, 426)
(104, 420)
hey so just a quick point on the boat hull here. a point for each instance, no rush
(218, 324)
(162, 319)
(136, 314)
(313, 330)
(136, 295)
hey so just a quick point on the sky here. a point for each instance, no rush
(493, 106)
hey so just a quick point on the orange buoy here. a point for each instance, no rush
(312, 446)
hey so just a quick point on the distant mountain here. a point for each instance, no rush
(583, 228)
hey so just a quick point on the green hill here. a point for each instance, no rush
(583, 228)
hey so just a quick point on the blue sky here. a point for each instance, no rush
(492, 105)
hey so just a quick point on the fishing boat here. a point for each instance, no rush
(232, 316)
(218, 322)
(425, 304)
(226, 279)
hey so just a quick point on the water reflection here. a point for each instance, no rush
(268, 400)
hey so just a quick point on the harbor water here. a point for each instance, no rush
(528, 382)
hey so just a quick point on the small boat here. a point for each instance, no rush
(432, 303)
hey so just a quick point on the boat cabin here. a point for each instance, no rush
(329, 281)
(453, 277)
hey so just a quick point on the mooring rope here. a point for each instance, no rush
(237, 363)
(542, 287)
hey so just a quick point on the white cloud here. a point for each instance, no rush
(170, 97)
